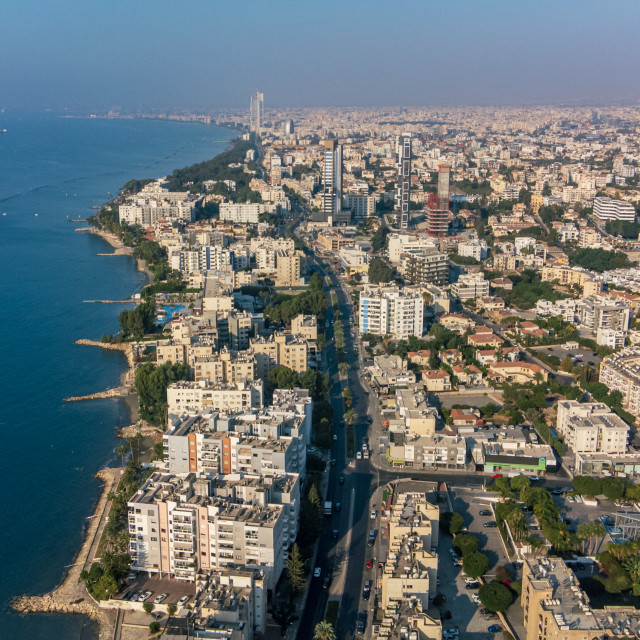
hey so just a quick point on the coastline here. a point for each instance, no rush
(71, 595)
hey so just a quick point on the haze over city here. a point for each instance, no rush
(208, 54)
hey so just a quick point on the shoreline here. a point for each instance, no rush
(71, 596)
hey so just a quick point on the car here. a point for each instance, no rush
(132, 575)
(374, 514)
(370, 563)
(570, 499)
(326, 582)
(161, 598)
(450, 634)
(341, 480)
(334, 437)
(380, 564)
(333, 462)
(366, 590)
(578, 498)
(316, 572)
(334, 534)
(132, 595)
(485, 512)
(490, 525)
(472, 585)
(475, 598)
(358, 455)
(338, 506)
(362, 622)
(144, 596)
(494, 628)
(557, 492)
(183, 601)
(495, 476)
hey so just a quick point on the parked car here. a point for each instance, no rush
(362, 622)
(472, 585)
(334, 534)
(475, 598)
(494, 628)
(469, 580)
(374, 514)
(370, 563)
(144, 596)
(341, 479)
(570, 499)
(490, 525)
(161, 598)
(485, 512)
(578, 498)
(495, 476)
(366, 590)
(316, 572)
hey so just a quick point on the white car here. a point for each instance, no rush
(183, 601)
(316, 572)
(475, 598)
(578, 498)
(374, 514)
(144, 596)
(161, 598)
(470, 580)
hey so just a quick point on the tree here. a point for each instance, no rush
(503, 485)
(632, 565)
(148, 607)
(314, 497)
(495, 596)
(613, 488)
(281, 377)
(475, 564)
(122, 450)
(343, 368)
(324, 631)
(465, 543)
(295, 569)
(586, 485)
(380, 271)
(154, 627)
(567, 364)
(520, 482)
(171, 609)
(456, 524)
(350, 416)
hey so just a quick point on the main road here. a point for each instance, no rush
(343, 558)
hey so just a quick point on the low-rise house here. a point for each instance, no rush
(488, 356)
(456, 322)
(466, 418)
(485, 340)
(520, 372)
(468, 375)
(420, 358)
(436, 380)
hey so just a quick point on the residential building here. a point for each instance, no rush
(438, 211)
(609, 209)
(391, 371)
(456, 322)
(289, 269)
(362, 206)
(416, 416)
(403, 180)
(521, 372)
(331, 180)
(305, 326)
(621, 372)
(600, 313)
(473, 249)
(436, 380)
(428, 267)
(554, 605)
(391, 311)
(224, 367)
(404, 243)
(286, 350)
(256, 112)
(470, 286)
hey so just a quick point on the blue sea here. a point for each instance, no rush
(58, 168)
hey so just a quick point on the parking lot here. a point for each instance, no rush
(587, 355)
(467, 615)
(175, 589)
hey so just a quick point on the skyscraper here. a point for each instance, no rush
(403, 184)
(332, 180)
(256, 112)
(438, 212)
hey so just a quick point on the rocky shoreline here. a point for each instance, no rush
(71, 596)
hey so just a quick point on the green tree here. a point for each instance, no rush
(324, 631)
(314, 497)
(154, 627)
(122, 450)
(295, 569)
(148, 607)
(613, 488)
(465, 543)
(343, 368)
(495, 596)
(456, 524)
(632, 565)
(520, 482)
(171, 609)
(586, 485)
(380, 271)
(475, 564)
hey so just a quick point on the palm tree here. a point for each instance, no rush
(538, 377)
(324, 631)
(122, 450)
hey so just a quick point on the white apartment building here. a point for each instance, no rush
(621, 372)
(179, 527)
(146, 213)
(399, 243)
(565, 308)
(391, 311)
(248, 213)
(194, 397)
(362, 206)
(470, 286)
(610, 209)
(596, 314)
(473, 249)
(525, 244)
(592, 427)
(611, 338)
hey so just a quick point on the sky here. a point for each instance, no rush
(86, 55)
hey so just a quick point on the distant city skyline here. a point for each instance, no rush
(212, 54)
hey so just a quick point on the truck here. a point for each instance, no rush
(328, 508)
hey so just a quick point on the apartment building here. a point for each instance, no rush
(473, 249)
(404, 243)
(470, 286)
(194, 397)
(224, 367)
(147, 212)
(391, 371)
(592, 427)
(566, 309)
(416, 416)
(305, 326)
(599, 313)
(621, 372)
(456, 322)
(435, 451)
(609, 209)
(428, 267)
(244, 213)
(286, 350)
(177, 529)
(391, 311)
(289, 268)
(362, 206)
(567, 276)
(554, 605)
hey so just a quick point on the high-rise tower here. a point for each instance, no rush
(256, 111)
(332, 180)
(438, 212)
(403, 184)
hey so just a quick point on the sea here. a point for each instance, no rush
(54, 169)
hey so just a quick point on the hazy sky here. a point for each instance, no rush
(198, 54)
